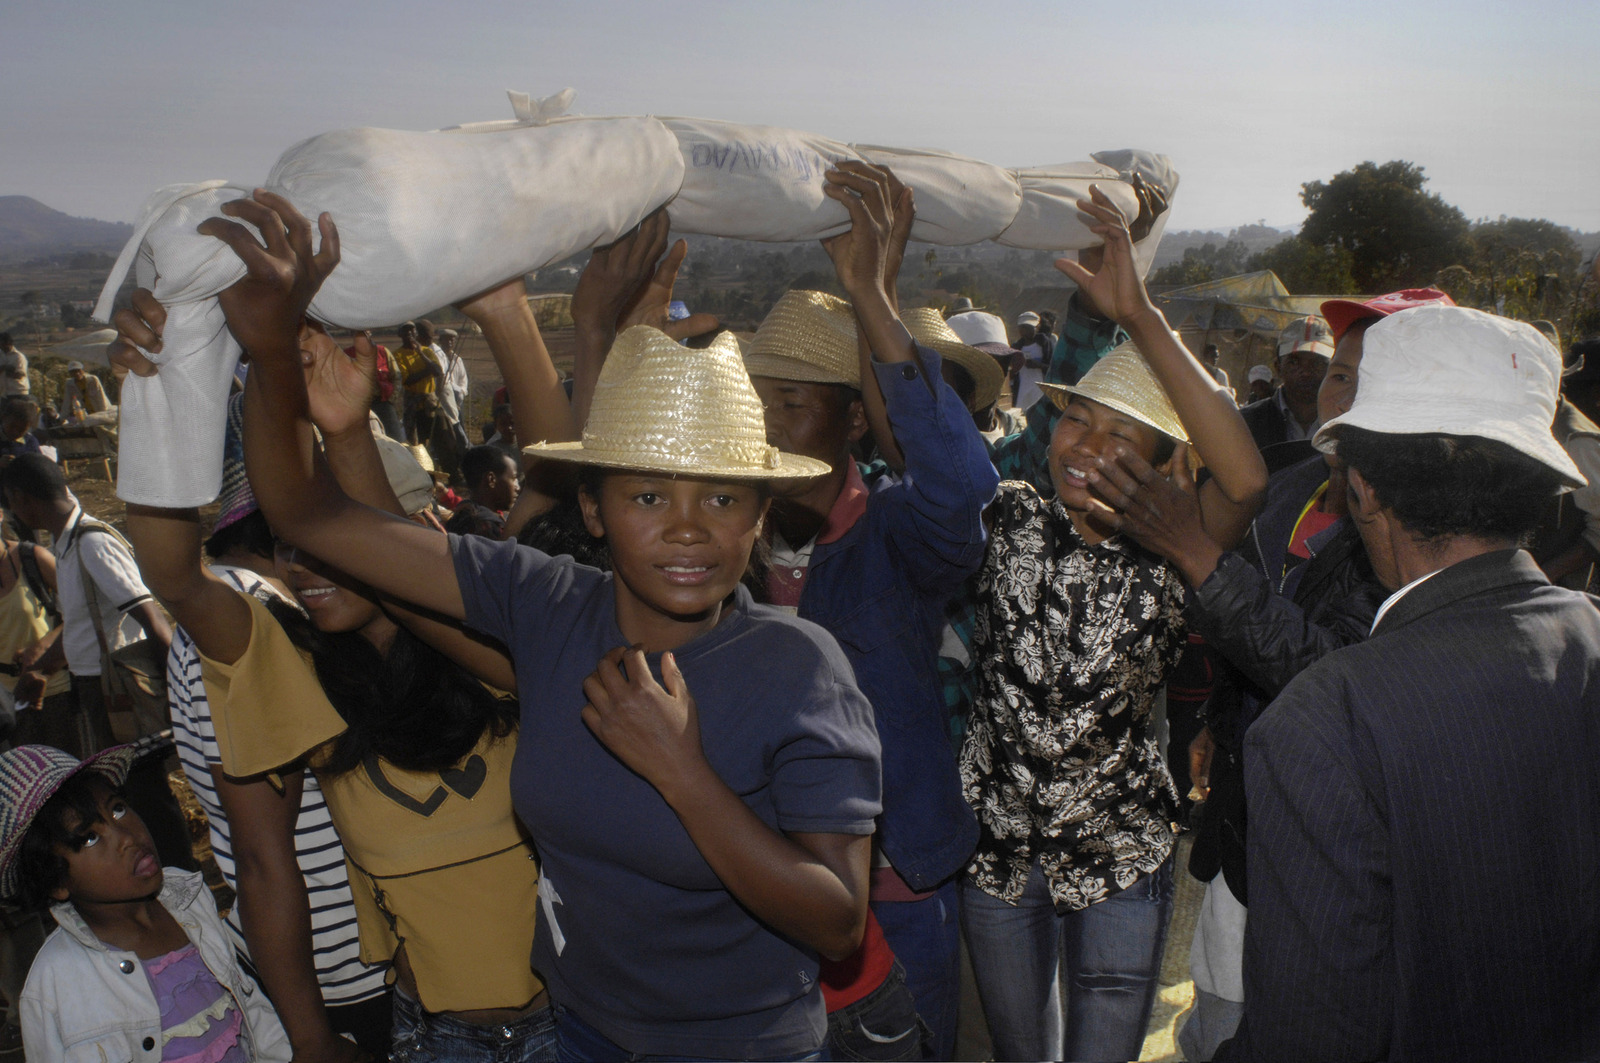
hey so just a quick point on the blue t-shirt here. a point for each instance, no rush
(636, 933)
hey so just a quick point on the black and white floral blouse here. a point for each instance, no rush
(1072, 643)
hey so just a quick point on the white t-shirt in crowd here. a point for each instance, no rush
(118, 588)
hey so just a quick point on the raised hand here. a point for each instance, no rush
(1115, 288)
(652, 728)
(1160, 513)
(138, 330)
(905, 213)
(265, 308)
(861, 255)
(654, 300)
(339, 386)
(618, 275)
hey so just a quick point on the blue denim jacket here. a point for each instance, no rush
(881, 588)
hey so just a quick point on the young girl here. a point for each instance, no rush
(1077, 629)
(700, 850)
(140, 967)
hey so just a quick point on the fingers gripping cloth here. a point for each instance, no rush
(430, 218)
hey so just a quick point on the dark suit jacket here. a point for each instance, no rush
(1425, 834)
(1265, 421)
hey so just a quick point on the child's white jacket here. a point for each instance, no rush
(86, 1003)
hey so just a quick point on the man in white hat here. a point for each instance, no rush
(1424, 810)
(1260, 380)
(1305, 347)
(84, 395)
(1035, 350)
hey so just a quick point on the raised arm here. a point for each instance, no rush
(902, 208)
(340, 390)
(1230, 499)
(299, 495)
(166, 542)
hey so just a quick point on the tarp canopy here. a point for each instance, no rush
(1255, 301)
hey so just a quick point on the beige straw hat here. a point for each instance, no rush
(929, 329)
(661, 407)
(1123, 381)
(809, 336)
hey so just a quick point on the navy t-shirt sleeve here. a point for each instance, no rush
(511, 592)
(827, 776)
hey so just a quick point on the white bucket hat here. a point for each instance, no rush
(1459, 372)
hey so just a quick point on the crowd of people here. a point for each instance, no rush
(746, 677)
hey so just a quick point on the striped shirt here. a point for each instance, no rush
(335, 941)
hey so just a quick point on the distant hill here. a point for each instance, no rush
(31, 230)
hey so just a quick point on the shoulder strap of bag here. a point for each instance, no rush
(35, 578)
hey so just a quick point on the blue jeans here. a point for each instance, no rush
(578, 1042)
(424, 1037)
(926, 938)
(1104, 960)
(883, 1025)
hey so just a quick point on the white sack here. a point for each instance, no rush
(1048, 219)
(755, 182)
(959, 200)
(425, 219)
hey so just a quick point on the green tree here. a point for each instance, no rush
(1521, 267)
(1205, 263)
(1306, 268)
(1397, 234)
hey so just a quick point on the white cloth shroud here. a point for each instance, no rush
(429, 218)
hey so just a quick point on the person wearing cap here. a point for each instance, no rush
(1305, 347)
(139, 966)
(82, 395)
(1035, 350)
(875, 568)
(1298, 587)
(630, 785)
(1423, 807)
(987, 333)
(1260, 381)
(1065, 901)
(453, 392)
(13, 368)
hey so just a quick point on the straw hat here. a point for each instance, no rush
(809, 336)
(661, 407)
(929, 329)
(1122, 380)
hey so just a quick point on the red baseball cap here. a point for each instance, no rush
(1342, 313)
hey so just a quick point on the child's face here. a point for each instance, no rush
(117, 860)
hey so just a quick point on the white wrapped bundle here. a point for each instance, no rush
(431, 218)
(1048, 218)
(424, 219)
(959, 200)
(427, 219)
(755, 182)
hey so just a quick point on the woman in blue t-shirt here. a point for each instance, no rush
(699, 773)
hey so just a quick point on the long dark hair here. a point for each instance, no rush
(412, 706)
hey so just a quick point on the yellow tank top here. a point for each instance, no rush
(438, 861)
(23, 622)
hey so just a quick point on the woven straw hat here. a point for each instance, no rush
(1123, 381)
(661, 407)
(30, 776)
(809, 336)
(929, 329)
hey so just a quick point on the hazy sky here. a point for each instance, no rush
(1500, 102)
